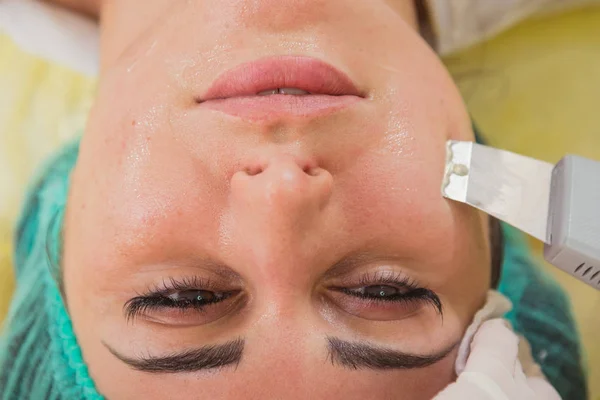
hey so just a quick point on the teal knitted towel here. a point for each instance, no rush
(39, 355)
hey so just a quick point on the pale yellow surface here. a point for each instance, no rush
(534, 90)
(41, 106)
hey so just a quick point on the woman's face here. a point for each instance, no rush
(277, 248)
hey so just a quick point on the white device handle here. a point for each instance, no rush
(574, 219)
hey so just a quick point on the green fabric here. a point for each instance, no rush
(40, 358)
(542, 313)
(39, 355)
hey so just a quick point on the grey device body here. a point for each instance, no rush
(573, 242)
(557, 204)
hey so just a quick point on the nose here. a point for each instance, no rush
(285, 189)
(276, 207)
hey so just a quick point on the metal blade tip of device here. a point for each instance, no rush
(508, 186)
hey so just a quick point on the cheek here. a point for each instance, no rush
(137, 183)
(393, 191)
(397, 181)
(400, 207)
(397, 185)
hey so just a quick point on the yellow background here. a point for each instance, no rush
(534, 89)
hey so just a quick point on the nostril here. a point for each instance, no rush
(252, 171)
(281, 163)
(310, 170)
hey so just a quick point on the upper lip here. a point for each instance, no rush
(305, 73)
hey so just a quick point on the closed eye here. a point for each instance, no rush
(384, 296)
(385, 293)
(186, 301)
(197, 300)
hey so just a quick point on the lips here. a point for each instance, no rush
(279, 87)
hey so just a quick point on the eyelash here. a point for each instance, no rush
(158, 297)
(413, 292)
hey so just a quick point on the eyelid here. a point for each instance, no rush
(415, 292)
(172, 285)
(172, 312)
(381, 277)
(419, 294)
(160, 296)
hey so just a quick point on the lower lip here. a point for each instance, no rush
(277, 106)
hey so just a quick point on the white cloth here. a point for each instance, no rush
(458, 24)
(495, 306)
(52, 33)
(494, 363)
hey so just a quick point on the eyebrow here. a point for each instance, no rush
(207, 357)
(361, 355)
(353, 355)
